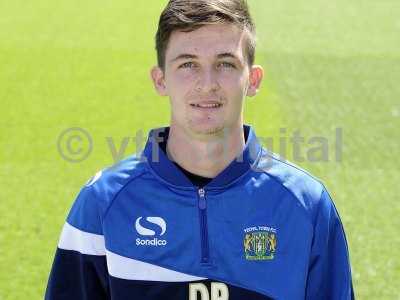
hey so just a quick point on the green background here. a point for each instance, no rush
(86, 64)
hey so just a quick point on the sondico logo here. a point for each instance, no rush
(219, 291)
(149, 232)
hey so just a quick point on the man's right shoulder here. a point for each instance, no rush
(110, 180)
(97, 195)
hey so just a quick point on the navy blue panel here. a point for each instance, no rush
(122, 289)
(77, 276)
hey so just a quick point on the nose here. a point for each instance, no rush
(207, 81)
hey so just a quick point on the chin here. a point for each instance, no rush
(208, 130)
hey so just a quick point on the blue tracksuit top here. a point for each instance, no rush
(261, 229)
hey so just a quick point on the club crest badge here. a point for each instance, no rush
(259, 243)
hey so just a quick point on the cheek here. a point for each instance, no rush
(185, 77)
(234, 84)
(180, 83)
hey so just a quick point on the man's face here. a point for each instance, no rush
(206, 77)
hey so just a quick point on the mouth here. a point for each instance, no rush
(206, 105)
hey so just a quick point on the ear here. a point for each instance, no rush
(157, 75)
(255, 77)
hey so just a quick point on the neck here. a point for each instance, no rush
(205, 156)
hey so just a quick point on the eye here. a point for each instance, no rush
(187, 65)
(226, 65)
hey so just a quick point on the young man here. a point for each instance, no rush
(205, 212)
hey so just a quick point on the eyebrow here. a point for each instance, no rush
(184, 56)
(227, 55)
(192, 56)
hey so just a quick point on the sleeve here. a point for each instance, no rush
(329, 274)
(79, 269)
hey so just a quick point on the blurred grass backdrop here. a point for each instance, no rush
(329, 64)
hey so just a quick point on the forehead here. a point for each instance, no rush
(207, 41)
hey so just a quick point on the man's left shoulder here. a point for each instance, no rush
(305, 187)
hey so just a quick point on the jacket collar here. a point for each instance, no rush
(167, 170)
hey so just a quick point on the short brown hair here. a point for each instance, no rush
(189, 15)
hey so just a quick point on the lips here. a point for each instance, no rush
(208, 104)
